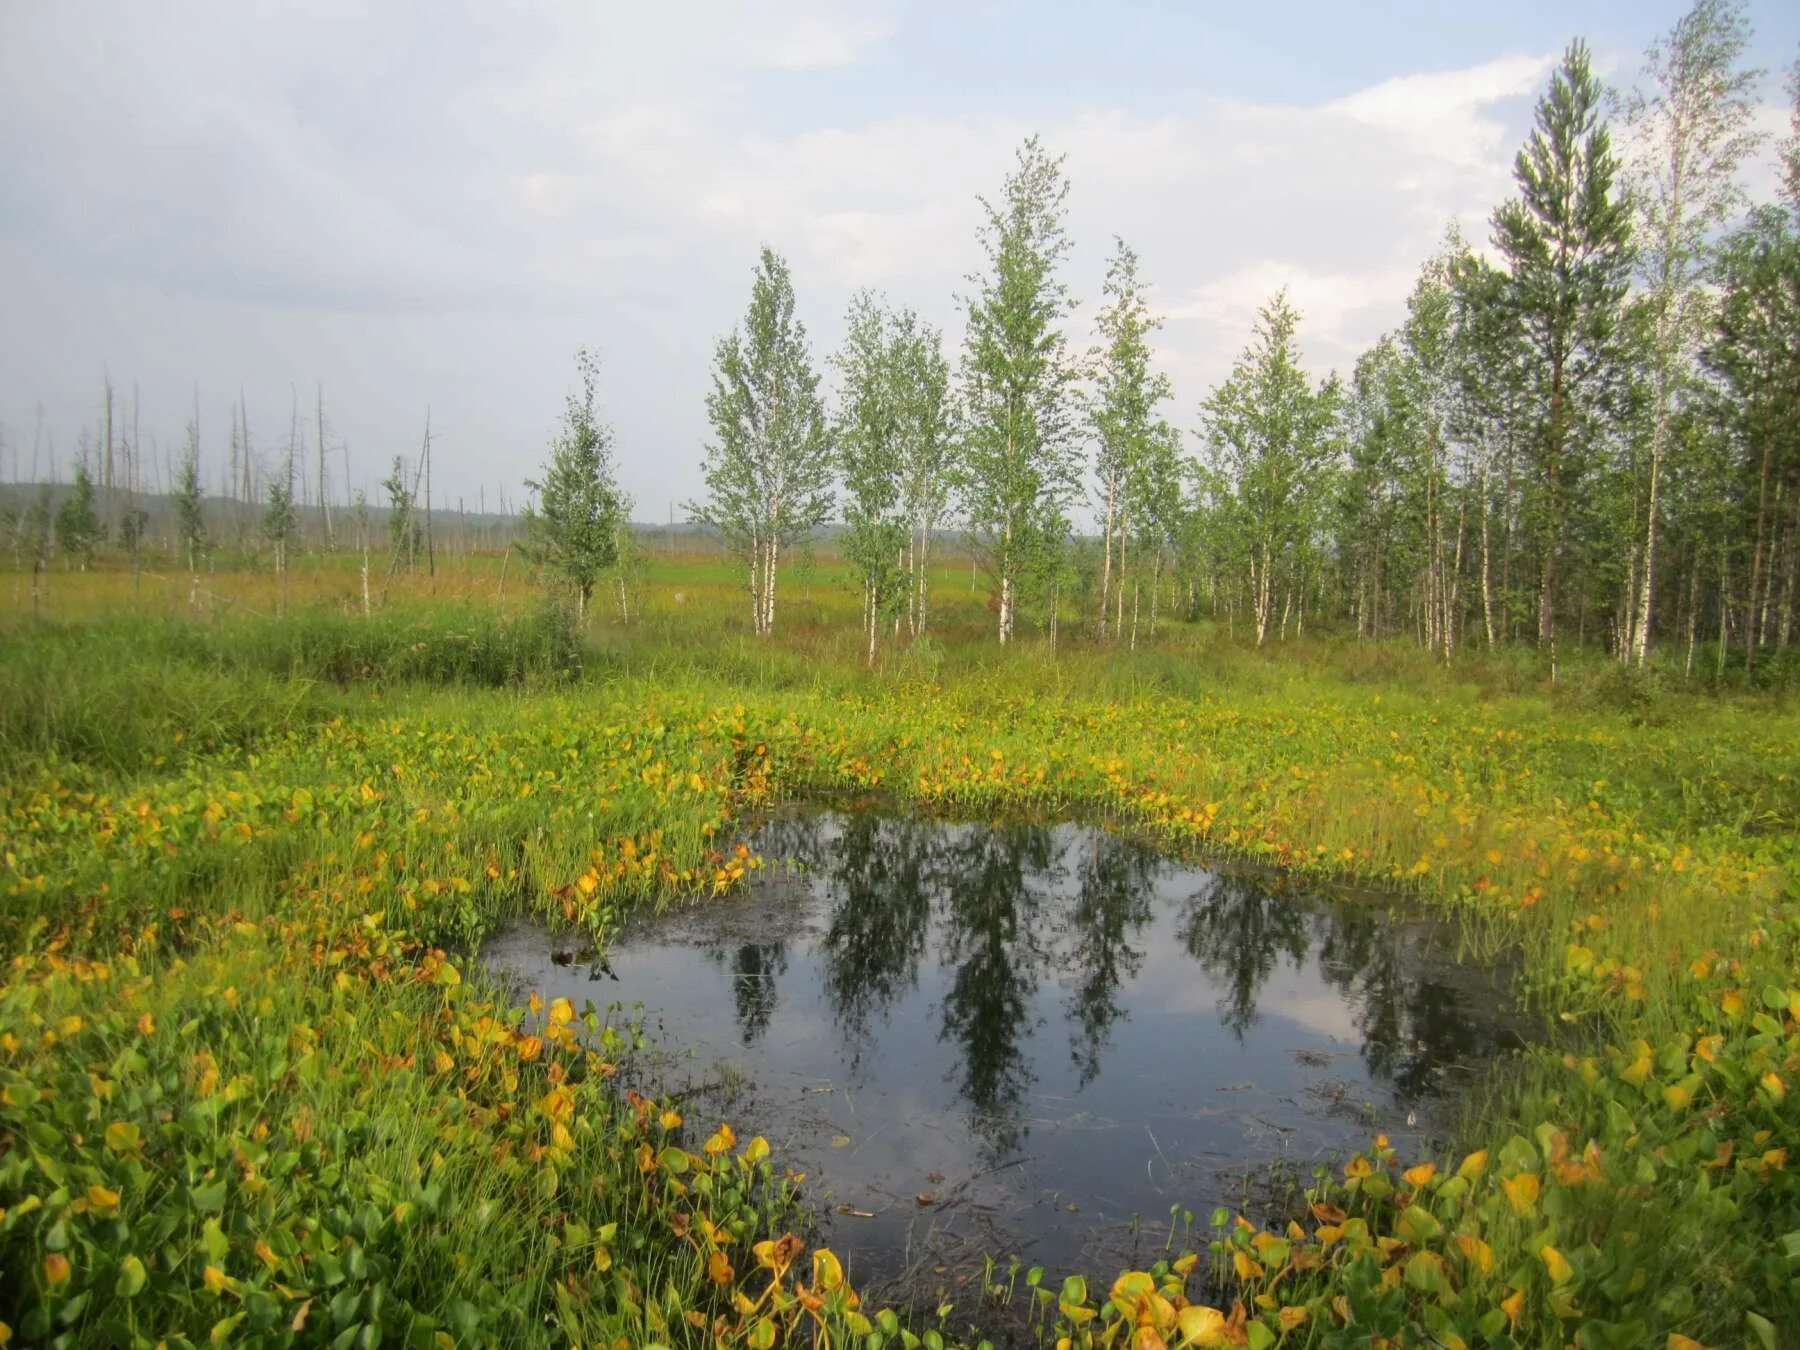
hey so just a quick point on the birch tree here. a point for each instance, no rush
(1128, 432)
(768, 467)
(1018, 379)
(1270, 436)
(928, 460)
(868, 438)
(1691, 132)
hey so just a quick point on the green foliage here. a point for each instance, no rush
(1018, 379)
(78, 528)
(1270, 437)
(573, 531)
(768, 467)
(281, 520)
(1136, 452)
(1566, 244)
(266, 882)
(403, 529)
(190, 513)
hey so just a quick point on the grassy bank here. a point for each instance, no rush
(250, 1088)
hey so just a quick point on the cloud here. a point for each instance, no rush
(422, 208)
(1446, 115)
(818, 36)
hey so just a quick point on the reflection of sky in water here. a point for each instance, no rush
(1016, 1020)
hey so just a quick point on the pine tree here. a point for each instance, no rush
(190, 512)
(1566, 243)
(78, 528)
(573, 531)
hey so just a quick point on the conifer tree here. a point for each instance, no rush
(1566, 244)
(573, 530)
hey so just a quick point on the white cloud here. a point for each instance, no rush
(818, 35)
(279, 198)
(1446, 114)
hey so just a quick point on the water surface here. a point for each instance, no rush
(1032, 1040)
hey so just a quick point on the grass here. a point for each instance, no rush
(245, 1072)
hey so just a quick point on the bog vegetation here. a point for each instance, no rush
(1507, 619)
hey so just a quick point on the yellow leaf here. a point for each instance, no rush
(101, 1199)
(1476, 1252)
(1291, 1317)
(723, 1140)
(1420, 1175)
(828, 1272)
(718, 1268)
(1679, 1342)
(1522, 1192)
(1473, 1165)
(1200, 1325)
(1513, 1305)
(122, 1137)
(1561, 1272)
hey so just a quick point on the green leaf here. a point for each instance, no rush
(214, 1242)
(208, 1199)
(131, 1277)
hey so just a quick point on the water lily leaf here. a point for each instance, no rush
(131, 1277)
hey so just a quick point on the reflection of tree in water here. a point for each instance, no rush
(1411, 1021)
(882, 876)
(992, 942)
(1116, 879)
(1239, 930)
(1003, 918)
(754, 967)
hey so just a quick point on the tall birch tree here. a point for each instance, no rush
(1018, 379)
(1129, 434)
(1271, 436)
(768, 467)
(929, 464)
(868, 437)
(1691, 131)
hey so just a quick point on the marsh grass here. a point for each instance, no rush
(307, 809)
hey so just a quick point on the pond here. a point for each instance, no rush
(1033, 1040)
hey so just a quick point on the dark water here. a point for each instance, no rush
(1033, 1040)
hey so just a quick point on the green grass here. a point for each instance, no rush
(263, 824)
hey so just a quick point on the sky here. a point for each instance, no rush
(431, 204)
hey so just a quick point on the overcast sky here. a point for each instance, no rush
(435, 203)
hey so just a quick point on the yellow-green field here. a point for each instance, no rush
(252, 1090)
